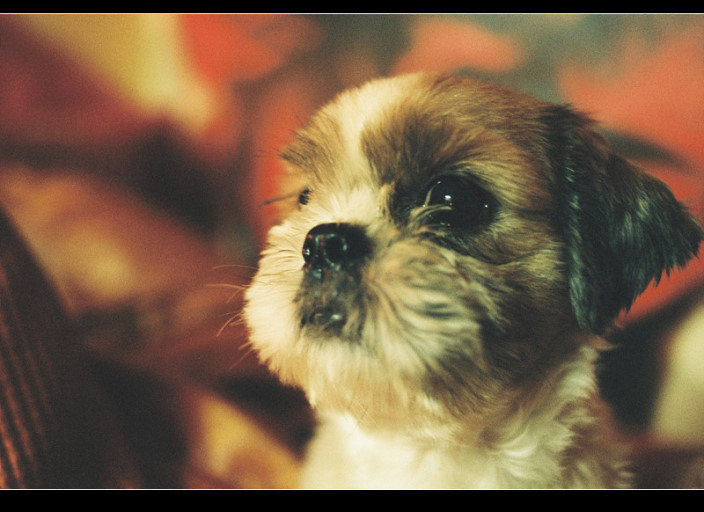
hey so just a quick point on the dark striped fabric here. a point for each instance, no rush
(53, 432)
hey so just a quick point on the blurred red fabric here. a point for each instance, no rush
(640, 76)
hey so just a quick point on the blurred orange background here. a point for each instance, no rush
(138, 152)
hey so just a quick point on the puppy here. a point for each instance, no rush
(441, 289)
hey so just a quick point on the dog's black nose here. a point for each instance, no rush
(334, 246)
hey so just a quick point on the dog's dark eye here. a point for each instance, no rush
(467, 205)
(304, 196)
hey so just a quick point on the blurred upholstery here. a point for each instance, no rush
(55, 429)
(137, 161)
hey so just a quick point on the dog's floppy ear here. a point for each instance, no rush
(623, 228)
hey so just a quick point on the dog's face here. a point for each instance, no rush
(450, 243)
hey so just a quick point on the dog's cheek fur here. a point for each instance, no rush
(270, 313)
(469, 331)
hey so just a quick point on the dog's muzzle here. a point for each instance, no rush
(334, 247)
(334, 256)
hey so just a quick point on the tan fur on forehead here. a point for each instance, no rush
(329, 145)
(451, 124)
(410, 128)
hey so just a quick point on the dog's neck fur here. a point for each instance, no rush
(554, 440)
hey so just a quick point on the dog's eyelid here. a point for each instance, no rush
(457, 181)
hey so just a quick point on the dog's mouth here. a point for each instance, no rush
(326, 318)
(331, 307)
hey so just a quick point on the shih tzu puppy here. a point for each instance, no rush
(441, 288)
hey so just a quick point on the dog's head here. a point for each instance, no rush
(451, 240)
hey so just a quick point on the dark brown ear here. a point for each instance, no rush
(623, 228)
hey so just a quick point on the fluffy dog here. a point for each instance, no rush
(441, 290)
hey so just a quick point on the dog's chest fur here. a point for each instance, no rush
(550, 447)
